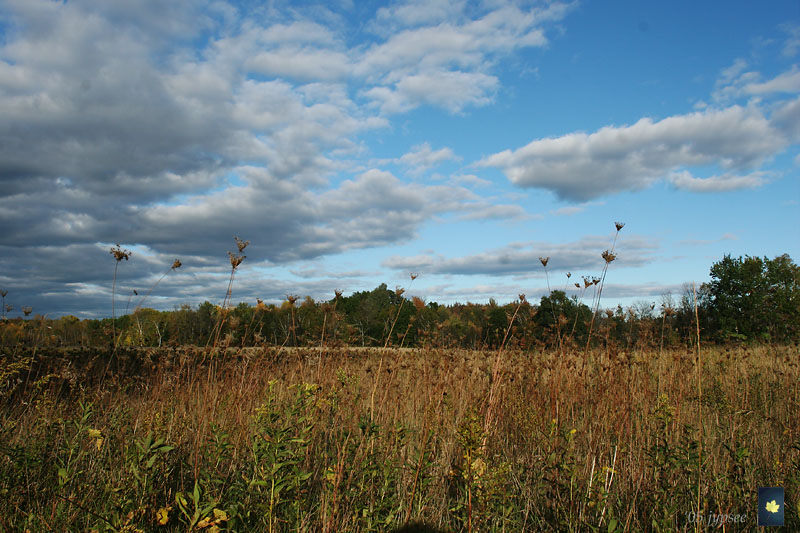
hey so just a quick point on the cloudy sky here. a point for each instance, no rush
(355, 142)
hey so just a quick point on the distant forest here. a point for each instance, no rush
(749, 299)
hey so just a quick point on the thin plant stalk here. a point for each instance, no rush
(386, 345)
(236, 260)
(128, 302)
(113, 312)
(609, 257)
(496, 377)
(544, 261)
(337, 294)
(175, 265)
(119, 254)
(698, 368)
(292, 299)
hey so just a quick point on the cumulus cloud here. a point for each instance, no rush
(469, 180)
(422, 157)
(496, 212)
(49, 261)
(173, 126)
(738, 81)
(108, 95)
(443, 53)
(451, 90)
(417, 13)
(522, 259)
(373, 209)
(581, 166)
(786, 82)
(726, 182)
(792, 43)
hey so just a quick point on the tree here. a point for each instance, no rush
(372, 314)
(753, 299)
(561, 315)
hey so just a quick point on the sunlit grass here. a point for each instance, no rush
(274, 443)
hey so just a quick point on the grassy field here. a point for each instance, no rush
(377, 440)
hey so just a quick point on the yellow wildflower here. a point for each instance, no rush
(162, 515)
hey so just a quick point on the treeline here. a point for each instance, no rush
(747, 300)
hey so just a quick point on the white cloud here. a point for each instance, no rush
(447, 63)
(786, 82)
(737, 81)
(523, 258)
(417, 13)
(582, 166)
(301, 63)
(113, 121)
(495, 212)
(725, 182)
(299, 32)
(792, 43)
(422, 157)
(373, 209)
(451, 90)
(469, 180)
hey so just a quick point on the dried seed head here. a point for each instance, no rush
(119, 253)
(292, 298)
(609, 313)
(3, 293)
(27, 310)
(414, 276)
(522, 298)
(241, 244)
(577, 285)
(236, 260)
(9, 308)
(586, 282)
(398, 290)
(544, 261)
(619, 225)
(338, 293)
(135, 293)
(176, 264)
(595, 280)
(569, 275)
(608, 256)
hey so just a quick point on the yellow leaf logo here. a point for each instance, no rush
(773, 506)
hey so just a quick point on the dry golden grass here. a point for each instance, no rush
(576, 442)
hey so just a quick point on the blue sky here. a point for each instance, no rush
(355, 142)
